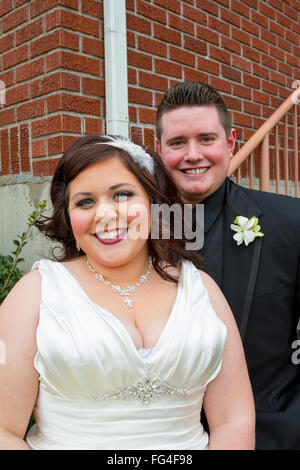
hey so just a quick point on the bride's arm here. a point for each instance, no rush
(228, 401)
(19, 315)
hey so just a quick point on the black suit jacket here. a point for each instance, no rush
(261, 282)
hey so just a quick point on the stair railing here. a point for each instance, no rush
(258, 148)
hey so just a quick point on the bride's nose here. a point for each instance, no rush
(105, 213)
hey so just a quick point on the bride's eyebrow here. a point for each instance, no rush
(81, 194)
(115, 186)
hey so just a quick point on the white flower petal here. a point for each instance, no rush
(248, 237)
(236, 228)
(242, 220)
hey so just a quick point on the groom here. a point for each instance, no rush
(261, 280)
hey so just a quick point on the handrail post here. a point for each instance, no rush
(265, 164)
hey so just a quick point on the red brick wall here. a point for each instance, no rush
(52, 62)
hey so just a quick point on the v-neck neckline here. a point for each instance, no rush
(126, 334)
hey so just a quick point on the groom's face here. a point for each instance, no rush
(195, 150)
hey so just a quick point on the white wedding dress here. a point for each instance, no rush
(97, 392)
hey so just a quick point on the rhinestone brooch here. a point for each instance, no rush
(146, 391)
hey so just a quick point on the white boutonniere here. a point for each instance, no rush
(246, 229)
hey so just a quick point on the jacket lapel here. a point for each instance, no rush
(240, 263)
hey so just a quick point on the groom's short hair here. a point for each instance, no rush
(189, 93)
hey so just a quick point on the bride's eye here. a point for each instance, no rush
(123, 195)
(84, 203)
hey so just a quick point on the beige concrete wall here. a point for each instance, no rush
(16, 204)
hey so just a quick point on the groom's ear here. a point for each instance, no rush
(231, 141)
(158, 150)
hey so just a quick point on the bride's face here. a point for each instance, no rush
(109, 212)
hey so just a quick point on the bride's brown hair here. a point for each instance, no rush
(160, 188)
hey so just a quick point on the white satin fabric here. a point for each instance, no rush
(84, 351)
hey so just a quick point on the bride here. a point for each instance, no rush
(113, 345)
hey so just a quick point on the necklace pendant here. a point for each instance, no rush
(128, 302)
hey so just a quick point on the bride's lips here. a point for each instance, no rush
(110, 237)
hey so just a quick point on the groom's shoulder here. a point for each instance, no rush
(280, 204)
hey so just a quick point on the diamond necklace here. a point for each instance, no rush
(128, 290)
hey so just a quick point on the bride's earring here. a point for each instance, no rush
(77, 246)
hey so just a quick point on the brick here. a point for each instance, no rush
(230, 45)
(284, 44)
(260, 97)
(208, 65)
(93, 86)
(240, 8)
(5, 7)
(259, 44)
(147, 116)
(251, 81)
(207, 35)
(220, 84)
(220, 55)
(38, 148)
(208, 5)
(181, 24)
(241, 119)
(261, 71)
(60, 143)
(276, 52)
(152, 12)
(250, 27)
(92, 125)
(217, 25)
(231, 73)
(4, 149)
(165, 67)
(132, 76)
(182, 56)
(136, 135)
(194, 14)
(72, 21)
(172, 5)
(29, 31)
(72, 61)
(241, 63)
(251, 108)
(277, 77)
(18, 55)
(149, 138)
(17, 94)
(30, 70)
(45, 44)
(15, 18)
(92, 46)
(258, 18)
(92, 8)
(152, 46)
(242, 91)
(195, 45)
(51, 125)
(29, 110)
(7, 116)
(276, 28)
(194, 75)
(24, 147)
(138, 59)
(44, 167)
(6, 43)
(137, 95)
(135, 23)
(14, 150)
(166, 34)
(152, 81)
(73, 102)
(230, 17)
(240, 35)
(37, 7)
